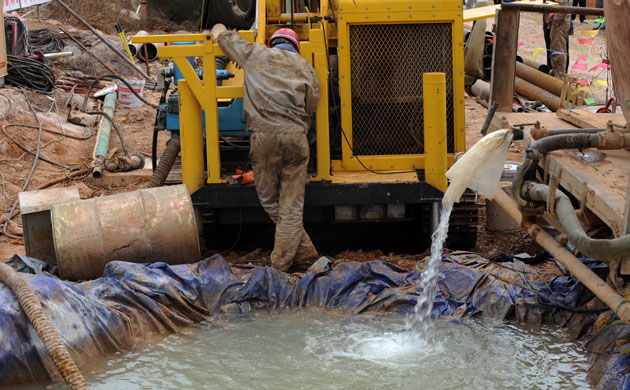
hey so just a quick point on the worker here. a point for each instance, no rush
(281, 91)
(556, 28)
(580, 3)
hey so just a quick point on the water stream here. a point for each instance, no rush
(419, 324)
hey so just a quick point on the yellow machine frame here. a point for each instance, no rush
(401, 12)
(197, 95)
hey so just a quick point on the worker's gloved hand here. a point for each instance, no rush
(217, 29)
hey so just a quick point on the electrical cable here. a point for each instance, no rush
(45, 40)
(30, 74)
(30, 174)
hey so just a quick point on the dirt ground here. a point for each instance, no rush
(137, 127)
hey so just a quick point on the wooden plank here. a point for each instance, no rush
(586, 119)
(472, 14)
(504, 59)
(547, 119)
(605, 182)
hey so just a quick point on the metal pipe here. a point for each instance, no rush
(534, 92)
(102, 136)
(139, 227)
(539, 79)
(560, 9)
(602, 290)
(481, 89)
(136, 48)
(605, 250)
(286, 18)
(105, 41)
(85, 49)
(534, 64)
(151, 50)
(542, 132)
(488, 121)
(58, 54)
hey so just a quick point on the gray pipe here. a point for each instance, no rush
(536, 151)
(605, 250)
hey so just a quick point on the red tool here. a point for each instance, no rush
(241, 178)
(606, 109)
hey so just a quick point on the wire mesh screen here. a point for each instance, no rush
(387, 62)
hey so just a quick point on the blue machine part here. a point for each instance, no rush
(231, 118)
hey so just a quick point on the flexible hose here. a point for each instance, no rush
(44, 327)
(536, 151)
(605, 250)
(166, 163)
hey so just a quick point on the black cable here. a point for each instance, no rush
(29, 151)
(30, 74)
(30, 173)
(45, 40)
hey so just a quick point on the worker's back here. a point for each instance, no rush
(281, 87)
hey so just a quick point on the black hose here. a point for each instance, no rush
(166, 163)
(45, 40)
(533, 154)
(602, 249)
(29, 151)
(565, 141)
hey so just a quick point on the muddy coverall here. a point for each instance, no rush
(281, 90)
(558, 26)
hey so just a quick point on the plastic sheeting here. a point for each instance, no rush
(131, 302)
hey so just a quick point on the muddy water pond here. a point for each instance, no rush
(331, 351)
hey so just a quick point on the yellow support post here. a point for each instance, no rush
(434, 103)
(209, 96)
(321, 119)
(191, 138)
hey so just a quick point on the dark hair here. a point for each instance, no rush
(279, 40)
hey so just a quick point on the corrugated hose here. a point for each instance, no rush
(44, 327)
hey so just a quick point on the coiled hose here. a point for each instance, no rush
(166, 163)
(44, 327)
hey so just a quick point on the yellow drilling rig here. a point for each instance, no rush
(389, 120)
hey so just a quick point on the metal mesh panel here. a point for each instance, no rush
(387, 62)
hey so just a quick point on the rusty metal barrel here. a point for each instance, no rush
(144, 226)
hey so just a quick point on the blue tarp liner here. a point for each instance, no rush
(131, 301)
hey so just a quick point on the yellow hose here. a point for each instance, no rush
(44, 327)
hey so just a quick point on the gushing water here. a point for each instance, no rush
(420, 323)
(480, 170)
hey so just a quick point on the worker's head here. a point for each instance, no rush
(285, 39)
